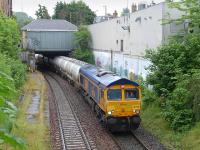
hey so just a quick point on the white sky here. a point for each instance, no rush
(30, 6)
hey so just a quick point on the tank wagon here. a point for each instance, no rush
(116, 100)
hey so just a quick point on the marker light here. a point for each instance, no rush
(136, 111)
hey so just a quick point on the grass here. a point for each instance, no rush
(36, 134)
(191, 140)
(153, 121)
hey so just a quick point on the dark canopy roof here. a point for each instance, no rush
(104, 78)
(50, 25)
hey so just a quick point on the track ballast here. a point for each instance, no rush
(71, 132)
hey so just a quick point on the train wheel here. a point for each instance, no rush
(135, 126)
(93, 105)
(98, 111)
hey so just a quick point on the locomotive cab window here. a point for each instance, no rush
(131, 94)
(114, 94)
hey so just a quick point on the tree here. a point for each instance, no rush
(175, 70)
(83, 52)
(9, 37)
(42, 13)
(190, 9)
(125, 12)
(77, 13)
(22, 18)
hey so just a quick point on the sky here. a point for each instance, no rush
(98, 6)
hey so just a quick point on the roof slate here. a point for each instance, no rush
(49, 25)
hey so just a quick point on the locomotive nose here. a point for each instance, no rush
(122, 109)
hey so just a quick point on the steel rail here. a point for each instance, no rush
(78, 141)
(140, 141)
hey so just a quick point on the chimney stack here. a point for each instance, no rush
(115, 14)
(133, 8)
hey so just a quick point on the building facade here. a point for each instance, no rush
(120, 44)
(6, 7)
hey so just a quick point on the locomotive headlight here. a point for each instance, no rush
(136, 111)
(110, 112)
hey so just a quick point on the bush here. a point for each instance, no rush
(183, 120)
(177, 110)
(194, 88)
(12, 77)
(84, 55)
(9, 37)
(7, 110)
(172, 60)
(149, 97)
(18, 72)
(175, 76)
(182, 107)
(83, 51)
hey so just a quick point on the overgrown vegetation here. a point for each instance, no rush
(175, 72)
(36, 129)
(83, 52)
(12, 77)
(77, 13)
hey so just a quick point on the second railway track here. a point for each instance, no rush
(72, 135)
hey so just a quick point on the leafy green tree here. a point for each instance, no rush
(83, 39)
(42, 13)
(9, 41)
(190, 9)
(174, 76)
(22, 18)
(77, 13)
(163, 68)
(9, 37)
(175, 70)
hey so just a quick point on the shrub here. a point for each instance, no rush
(149, 97)
(83, 51)
(18, 72)
(7, 110)
(84, 55)
(12, 77)
(175, 76)
(178, 111)
(183, 120)
(9, 37)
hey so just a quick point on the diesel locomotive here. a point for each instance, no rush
(116, 100)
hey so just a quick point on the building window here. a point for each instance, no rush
(175, 28)
(122, 45)
(117, 41)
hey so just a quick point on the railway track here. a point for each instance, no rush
(72, 135)
(128, 141)
(140, 141)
